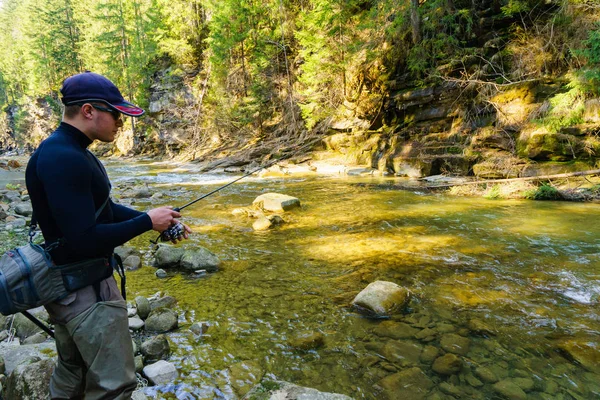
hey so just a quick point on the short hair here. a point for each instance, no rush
(72, 110)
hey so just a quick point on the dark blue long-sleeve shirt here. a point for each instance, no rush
(67, 184)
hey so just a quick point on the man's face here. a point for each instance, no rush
(106, 122)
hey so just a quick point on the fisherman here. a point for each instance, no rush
(70, 195)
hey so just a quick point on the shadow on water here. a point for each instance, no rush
(510, 287)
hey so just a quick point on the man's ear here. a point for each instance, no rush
(87, 111)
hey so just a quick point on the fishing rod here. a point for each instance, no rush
(176, 231)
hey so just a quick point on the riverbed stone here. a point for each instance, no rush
(429, 354)
(167, 256)
(132, 263)
(23, 209)
(161, 372)
(277, 202)
(454, 343)
(24, 327)
(135, 323)
(36, 338)
(395, 330)
(161, 320)
(583, 351)
(143, 307)
(486, 374)
(526, 384)
(279, 390)
(262, 224)
(410, 383)
(156, 348)
(160, 273)
(307, 340)
(402, 353)
(448, 364)
(162, 302)
(381, 299)
(244, 375)
(200, 258)
(451, 390)
(479, 327)
(199, 328)
(15, 355)
(30, 380)
(509, 390)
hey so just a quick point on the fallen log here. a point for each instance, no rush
(528, 178)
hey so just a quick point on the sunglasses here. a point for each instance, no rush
(115, 114)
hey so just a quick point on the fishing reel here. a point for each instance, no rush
(174, 232)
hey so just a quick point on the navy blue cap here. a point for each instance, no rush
(90, 87)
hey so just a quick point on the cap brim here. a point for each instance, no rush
(128, 109)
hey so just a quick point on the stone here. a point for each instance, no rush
(156, 348)
(448, 364)
(410, 383)
(402, 353)
(262, 224)
(161, 320)
(584, 351)
(454, 343)
(135, 323)
(132, 263)
(167, 256)
(139, 364)
(36, 338)
(277, 202)
(243, 376)
(142, 192)
(509, 390)
(429, 354)
(200, 258)
(14, 355)
(486, 375)
(160, 273)
(395, 330)
(479, 327)
(199, 328)
(382, 299)
(524, 383)
(451, 390)
(279, 390)
(24, 327)
(23, 209)
(307, 340)
(161, 372)
(163, 302)
(30, 381)
(143, 307)
(126, 251)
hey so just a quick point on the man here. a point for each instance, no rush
(69, 191)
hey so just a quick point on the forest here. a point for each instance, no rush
(259, 70)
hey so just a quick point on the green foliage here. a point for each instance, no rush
(544, 192)
(494, 193)
(12, 186)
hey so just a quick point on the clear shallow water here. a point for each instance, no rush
(527, 270)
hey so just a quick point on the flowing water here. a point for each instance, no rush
(512, 287)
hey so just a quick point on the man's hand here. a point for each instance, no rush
(163, 217)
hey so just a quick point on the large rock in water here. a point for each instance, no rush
(277, 202)
(167, 256)
(275, 390)
(200, 258)
(381, 299)
(155, 349)
(160, 372)
(161, 320)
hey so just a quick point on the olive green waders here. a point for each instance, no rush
(95, 355)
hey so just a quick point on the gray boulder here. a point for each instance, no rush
(14, 355)
(167, 256)
(275, 390)
(24, 327)
(162, 302)
(30, 380)
(155, 349)
(381, 299)
(23, 209)
(132, 263)
(199, 258)
(277, 202)
(136, 323)
(161, 372)
(143, 307)
(161, 320)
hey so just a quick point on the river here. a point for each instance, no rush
(518, 279)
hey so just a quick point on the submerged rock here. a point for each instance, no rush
(510, 390)
(200, 258)
(382, 299)
(448, 364)
(277, 202)
(161, 372)
(584, 352)
(307, 341)
(277, 390)
(410, 383)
